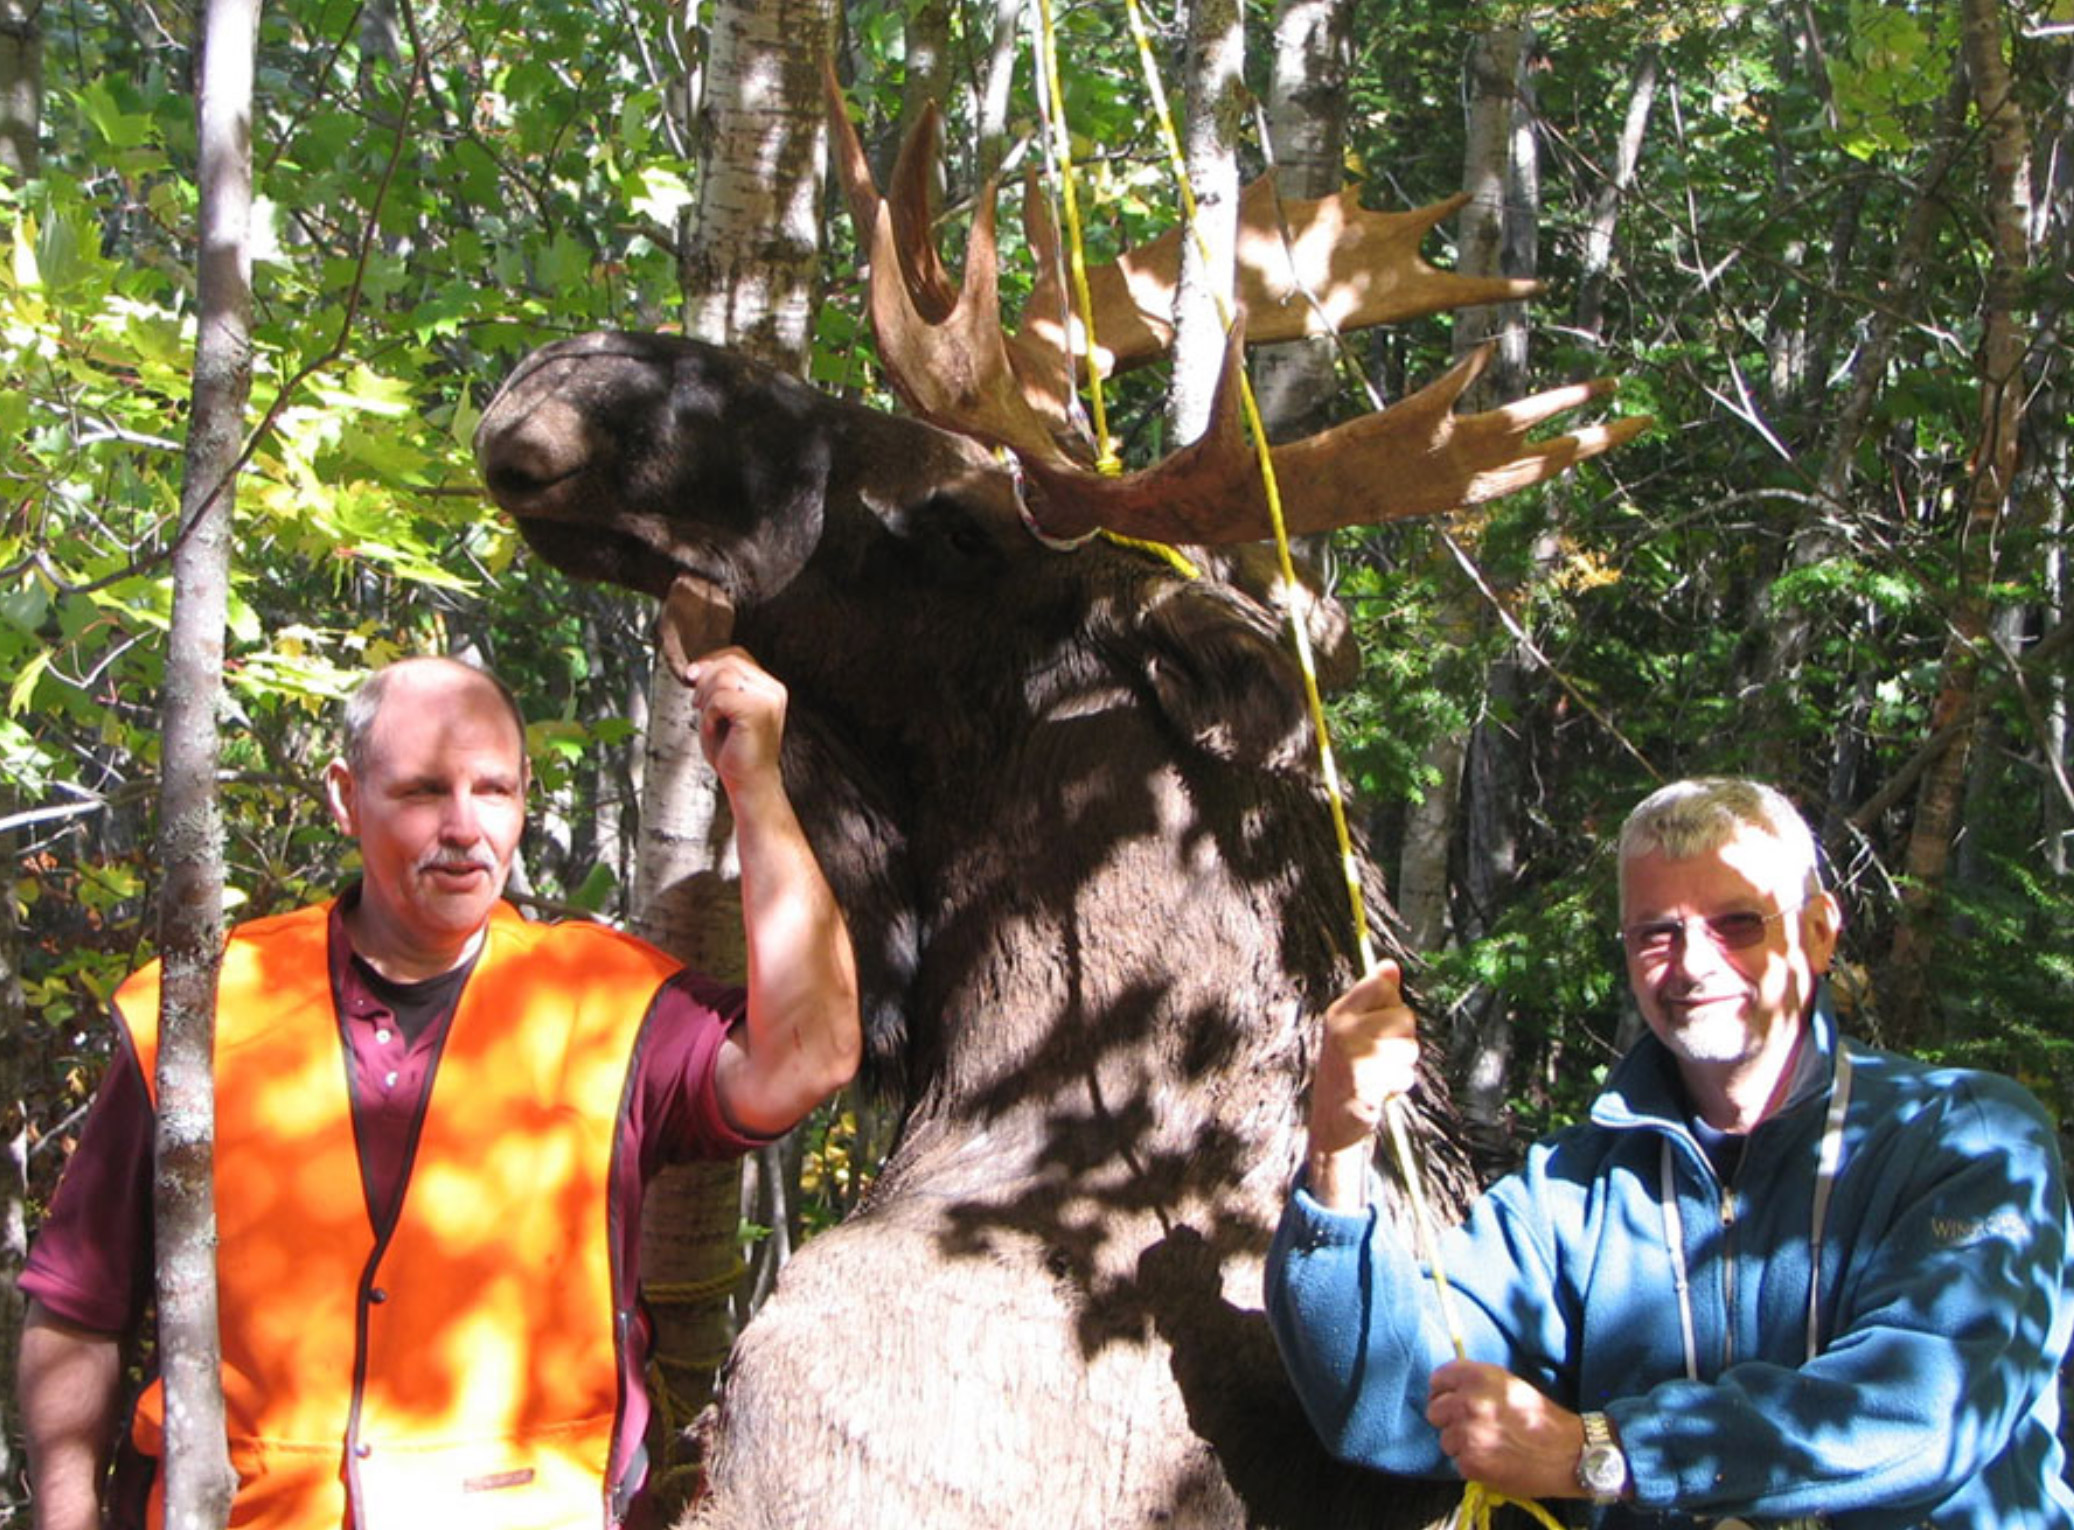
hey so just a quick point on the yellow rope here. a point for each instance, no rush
(681, 1293)
(1480, 1501)
(1183, 565)
(1334, 796)
(673, 1411)
(1106, 459)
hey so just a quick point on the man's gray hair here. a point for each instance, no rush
(1693, 817)
(364, 702)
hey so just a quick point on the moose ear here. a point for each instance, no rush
(1256, 568)
(1224, 676)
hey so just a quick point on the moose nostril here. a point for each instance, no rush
(509, 480)
(527, 444)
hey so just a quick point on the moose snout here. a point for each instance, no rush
(526, 446)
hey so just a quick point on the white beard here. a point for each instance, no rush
(1715, 1035)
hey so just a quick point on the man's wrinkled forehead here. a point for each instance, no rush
(414, 704)
(1748, 861)
(1703, 815)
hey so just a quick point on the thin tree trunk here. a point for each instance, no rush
(14, 1214)
(926, 26)
(1496, 230)
(1494, 784)
(1430, 828)
(612, 829)
(1216, 105)
(1297, 381)
(1494, 72)
(1423, 884)
(773, 1171)
(1784, 318)
(1498, 237)
(199, 1482)
(2058, 815)
(2055, 240)
(1988, 784)
(1596, 264)
(1832, 318)
(21, 87)
(991, 128)
(2004, 335)
(751, 273)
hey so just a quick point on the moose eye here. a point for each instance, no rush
(967, 540)
(944, 528)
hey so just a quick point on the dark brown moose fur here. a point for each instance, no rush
(1068, 803)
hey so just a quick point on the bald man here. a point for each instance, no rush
(434, 1124)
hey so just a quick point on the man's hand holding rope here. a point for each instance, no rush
(1510, 1443)
(1369, 1053)
(1498, 1430)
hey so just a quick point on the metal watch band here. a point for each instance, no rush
(1602, 1468)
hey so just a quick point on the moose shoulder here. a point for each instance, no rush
(1068, 804)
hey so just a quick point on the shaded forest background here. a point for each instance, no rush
(1789, 230)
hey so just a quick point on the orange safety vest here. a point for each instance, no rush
(463, 1372)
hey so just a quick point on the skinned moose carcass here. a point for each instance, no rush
(1069, 804)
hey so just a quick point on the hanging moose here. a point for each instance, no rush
(1069, 803)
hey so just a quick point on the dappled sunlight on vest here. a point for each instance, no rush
(460, 1371)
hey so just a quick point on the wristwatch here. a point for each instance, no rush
(1602, 1471)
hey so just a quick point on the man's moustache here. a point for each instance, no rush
(479, 859)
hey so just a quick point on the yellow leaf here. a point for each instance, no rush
(25, 682)
(27, 276)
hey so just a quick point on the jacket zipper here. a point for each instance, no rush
(1728, 1275)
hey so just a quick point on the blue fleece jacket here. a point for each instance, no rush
(1944, 1312)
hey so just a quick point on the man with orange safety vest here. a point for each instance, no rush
(434, 1122)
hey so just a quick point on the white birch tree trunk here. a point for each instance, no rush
(21, 86)
(1298, 380)
(1209, 143)
(751, 280)
(1423, 882)
(199, 1482)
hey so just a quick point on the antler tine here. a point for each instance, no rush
(916, 262)
(954, 371)
(944, 351)
(1418, 457)
(1363, 267)
(1373, 271)
(1415, 458)
(1045, 367)
(859, 187)
(912, 196)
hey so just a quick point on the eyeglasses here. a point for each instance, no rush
(1655, 939)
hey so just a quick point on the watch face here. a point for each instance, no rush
(1602, 1470)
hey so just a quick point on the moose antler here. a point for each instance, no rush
(947, 356)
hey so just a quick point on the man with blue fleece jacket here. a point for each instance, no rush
(1776, 1278)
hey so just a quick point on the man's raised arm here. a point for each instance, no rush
(803, 1038)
